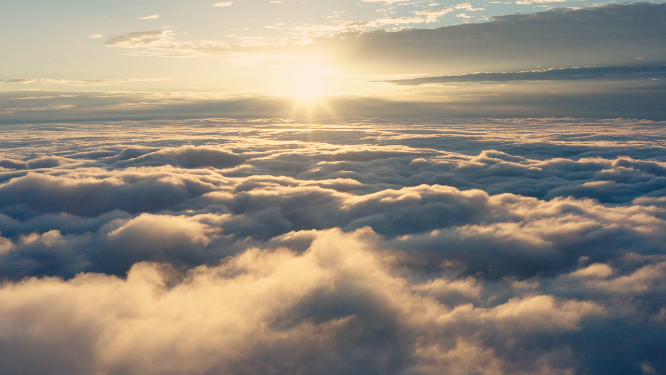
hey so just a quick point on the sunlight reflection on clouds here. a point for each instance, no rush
(364, 246)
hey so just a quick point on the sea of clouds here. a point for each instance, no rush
(351, 247)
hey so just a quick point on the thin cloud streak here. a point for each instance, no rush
(611, 73)
(151, 17)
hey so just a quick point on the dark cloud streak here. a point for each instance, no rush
(611, 73)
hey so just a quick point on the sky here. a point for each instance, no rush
(85, 58)
(332, 187)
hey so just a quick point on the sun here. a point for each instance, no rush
(307, 91)
(309, 83)
(308, 86)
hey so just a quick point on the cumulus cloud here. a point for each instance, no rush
(267, 310)
(354, 246)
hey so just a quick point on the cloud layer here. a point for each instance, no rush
(484, 247)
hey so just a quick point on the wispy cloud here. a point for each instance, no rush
(151, 17)
(100, 81)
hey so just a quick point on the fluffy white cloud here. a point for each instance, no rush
(222, 246)
(263, 310)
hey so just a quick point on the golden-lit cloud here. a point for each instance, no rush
(249, 245)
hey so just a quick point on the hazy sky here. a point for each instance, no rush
(287, 47)
(96, 60)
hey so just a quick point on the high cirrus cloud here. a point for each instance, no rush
(222, 246)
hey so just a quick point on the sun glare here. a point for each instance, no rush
(309, 83)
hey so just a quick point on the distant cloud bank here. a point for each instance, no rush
(613, 73)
